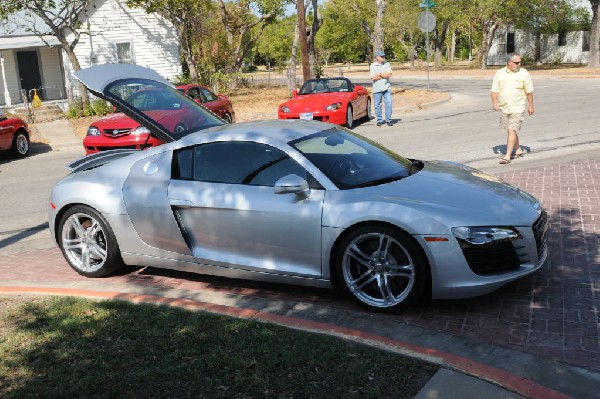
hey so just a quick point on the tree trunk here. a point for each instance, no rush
(594, 55)
(302, 37)
(452, 47)
(311, 34)
(291, 73)
(489, 30)
(85, 97)
(377, 36)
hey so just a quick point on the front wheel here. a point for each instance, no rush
(88, 243)
(381, 267)
(227, 118)
(20, 144)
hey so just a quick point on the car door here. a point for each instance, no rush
(6, 135)
(222, 194)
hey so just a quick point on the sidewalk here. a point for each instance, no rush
(538, 337)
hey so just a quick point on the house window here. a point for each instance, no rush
(585, 44)
(124, 53)
(510, 42)
(562, 39)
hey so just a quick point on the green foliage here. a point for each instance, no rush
(97, 107)
(68, 347)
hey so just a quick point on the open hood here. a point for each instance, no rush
(148, 98)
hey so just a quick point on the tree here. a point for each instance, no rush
(594, 56)
(244, 22)
(62, 19)
(339, 33)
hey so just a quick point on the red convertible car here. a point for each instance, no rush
(14, 136)
(118, 131)
(333, 100)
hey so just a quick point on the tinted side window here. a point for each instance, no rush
(236, 163)
(194, 93)
(208, 95)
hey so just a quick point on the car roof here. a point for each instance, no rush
(274, 130)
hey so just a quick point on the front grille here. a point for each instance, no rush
(540, 230)
(494, 258)
(115, 132)
(126, 147)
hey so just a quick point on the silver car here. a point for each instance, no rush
(298, 202)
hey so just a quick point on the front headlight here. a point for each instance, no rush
(93, 131)
(285, 109)
(333, 107)
(479, 235)
(140, 130)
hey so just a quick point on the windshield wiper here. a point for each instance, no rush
(377, 182)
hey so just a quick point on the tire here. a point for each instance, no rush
(20, 144)
(349, 117)
(380, 267)
(368, 115)
(88, 243)
(227, 118)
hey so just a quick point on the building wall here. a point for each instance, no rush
(550, 51)
(153, 41)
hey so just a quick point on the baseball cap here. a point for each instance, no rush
(379, 53)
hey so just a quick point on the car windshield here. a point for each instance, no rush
(335, 85)
(351, 161)
(162, 106)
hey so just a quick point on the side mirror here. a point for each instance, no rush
(292, 184)
(294, 93)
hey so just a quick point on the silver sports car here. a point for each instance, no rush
(299, 202)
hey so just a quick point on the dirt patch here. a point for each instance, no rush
(259, 103)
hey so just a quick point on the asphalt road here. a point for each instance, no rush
(464, 129)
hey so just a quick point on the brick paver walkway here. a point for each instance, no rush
(553, 313)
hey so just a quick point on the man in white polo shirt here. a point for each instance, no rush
(512, 91)
(380, 73)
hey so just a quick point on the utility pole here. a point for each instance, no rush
(303, 44)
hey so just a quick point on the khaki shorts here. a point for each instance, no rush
(511, 121)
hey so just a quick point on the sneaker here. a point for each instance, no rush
(379, 124)
(389, 123)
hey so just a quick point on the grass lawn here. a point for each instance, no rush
(76, 348)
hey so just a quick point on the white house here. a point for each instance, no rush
(111, 33)
(563, 48)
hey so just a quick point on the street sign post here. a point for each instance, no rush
(426, 23)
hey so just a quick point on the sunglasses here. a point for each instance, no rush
(516, 62)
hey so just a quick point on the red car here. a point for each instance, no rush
(14, 136)
(333, 100)
(219, 104)
(120, 131)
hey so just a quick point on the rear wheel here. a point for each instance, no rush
(20, 144)
(368, 115)
(88, 243)
(381, 267)
(349, 117)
